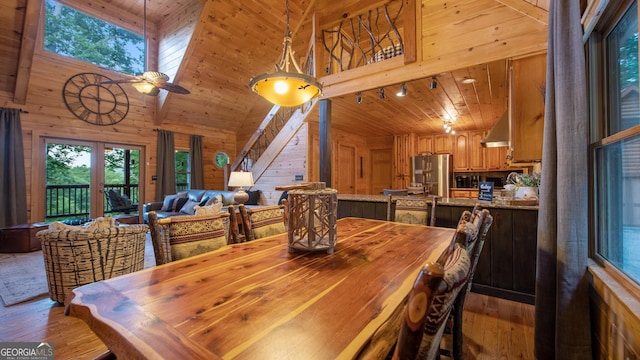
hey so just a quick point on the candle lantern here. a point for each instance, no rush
(312, 219)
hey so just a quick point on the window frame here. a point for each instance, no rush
(126, 20)
(600, 137)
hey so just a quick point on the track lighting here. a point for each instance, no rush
(358, 97)
(381, 93)
(434, 83)
(403, 90)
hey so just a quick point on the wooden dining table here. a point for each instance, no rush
(257, 300)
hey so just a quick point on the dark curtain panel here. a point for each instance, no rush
(197, 167)
(562, 289)
(13, 188)
(166, 167)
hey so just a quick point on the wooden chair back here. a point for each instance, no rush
(416, 309)
(264, 220)
(412, 210)
(234, 230)
(184, 236)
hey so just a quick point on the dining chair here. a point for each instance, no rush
(482, 220)
(417, 210)
(416, 309)
(395, 192)
(184, 236)
(234, 229)
(264, 220)
(470, 235)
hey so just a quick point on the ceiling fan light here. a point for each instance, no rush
(146, 88)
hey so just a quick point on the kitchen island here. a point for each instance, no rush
(507, 264)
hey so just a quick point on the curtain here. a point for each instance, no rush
(13, 188)
(166, 165)
(562, 288)
(196, 161)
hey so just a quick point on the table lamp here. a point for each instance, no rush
(241, 179)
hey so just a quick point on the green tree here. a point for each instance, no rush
(60, 158)
(71, 33)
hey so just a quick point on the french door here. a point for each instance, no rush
(81, 174)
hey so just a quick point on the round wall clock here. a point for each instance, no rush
(222, 159)
(93, 98)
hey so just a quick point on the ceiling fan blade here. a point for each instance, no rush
(121, 81)
(173, 88)
(154, 76)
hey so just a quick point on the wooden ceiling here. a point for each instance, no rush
(217, 46)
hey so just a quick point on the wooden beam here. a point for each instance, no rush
(198, 33)
(536, 13)
(27, 49)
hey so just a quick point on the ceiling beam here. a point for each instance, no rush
(27, 50)
(534, 12)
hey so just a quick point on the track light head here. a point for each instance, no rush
(381, 93)
(433, 84)
(403, 90)
(359, 98)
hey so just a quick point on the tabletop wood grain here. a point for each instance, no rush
(256, 300)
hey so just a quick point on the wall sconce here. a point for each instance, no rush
(403, 90)
(381, 93)
(433, 84)
(359, 98)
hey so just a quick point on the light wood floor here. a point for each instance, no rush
(493, 329)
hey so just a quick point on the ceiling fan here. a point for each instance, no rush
(150, 82)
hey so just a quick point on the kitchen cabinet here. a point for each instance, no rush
(468, 153)
(425, 144)
(497, 158)
(442, 144)
(526, 107)
(464, 193)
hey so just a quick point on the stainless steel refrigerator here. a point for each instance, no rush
(433, 172)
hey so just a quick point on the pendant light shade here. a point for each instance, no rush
(283, 87)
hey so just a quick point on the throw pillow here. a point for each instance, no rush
(254, 197)
(204, 201)
(101, 222)
(178, 203)
(167, 202)
(214, 200)
(189, 207)
(209, 210)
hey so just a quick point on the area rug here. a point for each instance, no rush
(23, 278)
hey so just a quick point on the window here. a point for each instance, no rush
(183, 170)
(69, 32)
(616, 139)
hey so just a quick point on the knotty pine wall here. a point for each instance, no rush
(48, 116)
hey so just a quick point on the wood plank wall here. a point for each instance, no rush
(48, 116)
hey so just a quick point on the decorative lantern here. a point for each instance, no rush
(312, 219)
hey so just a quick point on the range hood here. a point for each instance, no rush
(498, 135)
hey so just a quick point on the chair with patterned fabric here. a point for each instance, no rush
(459, 261)
(416, 309)
(183, 236)
(409, 210)
(263, 221)
(234, 229)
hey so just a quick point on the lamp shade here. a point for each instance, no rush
(241, 179)
(287, 89)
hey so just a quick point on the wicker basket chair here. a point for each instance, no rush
(76, 256)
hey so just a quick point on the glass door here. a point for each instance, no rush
(85, 180)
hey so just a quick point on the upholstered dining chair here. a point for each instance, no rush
(481, 220)
(415, 311)
(264, 220)
(410, 210)
(183, 236)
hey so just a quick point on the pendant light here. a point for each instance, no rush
(283, 87)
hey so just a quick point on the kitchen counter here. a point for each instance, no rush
(497, 204)
(507, 264)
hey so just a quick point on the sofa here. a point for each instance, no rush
(184, 202)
